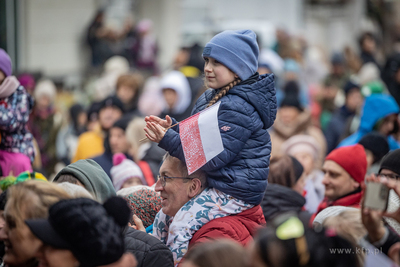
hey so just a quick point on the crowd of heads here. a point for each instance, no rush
(86, 185)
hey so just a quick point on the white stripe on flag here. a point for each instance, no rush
(209, 132)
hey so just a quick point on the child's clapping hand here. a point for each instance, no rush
(154, 131)
(163, 123)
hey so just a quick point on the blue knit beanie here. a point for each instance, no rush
(237, 50)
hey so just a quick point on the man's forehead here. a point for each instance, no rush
(332, 166)
(169, 165)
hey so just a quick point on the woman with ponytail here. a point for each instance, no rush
(237, 177)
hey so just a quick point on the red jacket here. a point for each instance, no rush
(240, 227)
(352, 200)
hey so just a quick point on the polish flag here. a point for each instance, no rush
(200, 137)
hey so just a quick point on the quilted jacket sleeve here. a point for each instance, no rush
(238, 119)
(148, 250)
(158, 255)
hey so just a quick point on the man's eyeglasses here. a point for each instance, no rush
(390, 176)
(163, 179)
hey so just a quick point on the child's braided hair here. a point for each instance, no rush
(223, 91)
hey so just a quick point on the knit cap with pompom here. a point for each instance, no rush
(123, 170)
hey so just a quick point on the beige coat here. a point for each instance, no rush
(302, 125)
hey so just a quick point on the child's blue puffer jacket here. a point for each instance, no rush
(241, 170)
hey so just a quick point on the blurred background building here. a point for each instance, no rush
(49, 35)
(72, 55)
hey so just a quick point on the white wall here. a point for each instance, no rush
(208, 15)
(166, 17)
(52, 33)
(329, 26)
(334, 27)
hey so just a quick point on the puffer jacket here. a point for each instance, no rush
(240, 227)
(148, 250)
(247, 111)
(14, 115)
(376, 107)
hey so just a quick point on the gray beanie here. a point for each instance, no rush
(237, 50)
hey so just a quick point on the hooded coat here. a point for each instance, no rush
(247, 111)
(93, 178)
(176, 81)
(376, 107)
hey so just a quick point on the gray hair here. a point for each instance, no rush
(199, 174)
(75, 191)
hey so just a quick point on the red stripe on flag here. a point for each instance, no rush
(191, 143)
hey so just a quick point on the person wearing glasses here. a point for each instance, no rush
(390, 166)
(390, 169)
(383, 236)
(178, 190)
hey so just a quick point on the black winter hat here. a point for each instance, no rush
(297, 167)
(91, 231)
(391, 162)
(291, 100)
(349, 86)
(337, 59)
(376, 143)
(112, 101)
(291, 88)
(122, 123)
(93, 111)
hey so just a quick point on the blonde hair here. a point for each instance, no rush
(223, 91)
(134, 132)
(134, 81)
(348, 225)
(32, 199)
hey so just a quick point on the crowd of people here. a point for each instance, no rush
(270, 169)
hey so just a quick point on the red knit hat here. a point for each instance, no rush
(351, 158)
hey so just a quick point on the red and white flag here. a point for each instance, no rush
(200, 137)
